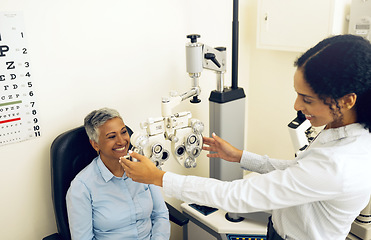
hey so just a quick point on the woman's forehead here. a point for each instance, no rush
(301, 85)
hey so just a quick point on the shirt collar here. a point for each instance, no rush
(333, 134)
(105, 172)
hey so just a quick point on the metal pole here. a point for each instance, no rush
(235, 45)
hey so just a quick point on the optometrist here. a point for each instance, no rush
(318, 194)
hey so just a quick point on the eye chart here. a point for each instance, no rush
(19, 119)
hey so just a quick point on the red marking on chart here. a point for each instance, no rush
(10, 120)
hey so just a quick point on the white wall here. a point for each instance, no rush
(88, 54)
(268, 75)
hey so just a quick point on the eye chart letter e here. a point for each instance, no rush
(19, 119)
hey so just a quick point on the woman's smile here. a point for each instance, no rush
(121, 150)
(309, 117)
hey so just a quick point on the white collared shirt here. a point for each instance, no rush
(315, 196)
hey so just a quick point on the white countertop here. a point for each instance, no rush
(217, 222)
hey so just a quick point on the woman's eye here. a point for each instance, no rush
(111, 137)
(124, 132)
(307, 101)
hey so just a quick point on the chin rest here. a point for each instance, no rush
(70, 152)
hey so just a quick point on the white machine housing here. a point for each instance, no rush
(360, 18)
(299, 130)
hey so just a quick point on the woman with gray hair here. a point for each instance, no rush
(102, 202)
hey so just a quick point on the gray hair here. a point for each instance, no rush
(97, 118)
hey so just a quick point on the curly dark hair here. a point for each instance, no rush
(338, 66)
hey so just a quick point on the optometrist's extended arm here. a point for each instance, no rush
(145, 171)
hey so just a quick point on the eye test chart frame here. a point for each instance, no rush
(19, 117)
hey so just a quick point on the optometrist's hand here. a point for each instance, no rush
(222, 149)
(143, 171)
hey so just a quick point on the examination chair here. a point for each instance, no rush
(70, 152)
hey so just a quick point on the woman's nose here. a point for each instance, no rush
(297, 105)
(121, 140)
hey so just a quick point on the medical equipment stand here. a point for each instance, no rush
(227, 113)
(227, 120)
(227, 116)
(227, 104)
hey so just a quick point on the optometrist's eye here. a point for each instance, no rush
(307, 101)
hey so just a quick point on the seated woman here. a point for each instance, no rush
(102, 202)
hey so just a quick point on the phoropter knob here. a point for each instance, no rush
(193, 37)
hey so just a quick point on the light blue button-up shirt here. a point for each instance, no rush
(103, 206)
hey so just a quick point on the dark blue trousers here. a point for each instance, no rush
(271, 233)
